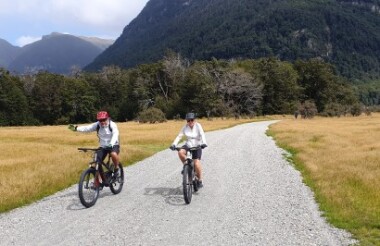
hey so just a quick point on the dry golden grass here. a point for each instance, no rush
(340, 160)
(38, 161)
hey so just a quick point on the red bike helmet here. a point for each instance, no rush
(102, 115)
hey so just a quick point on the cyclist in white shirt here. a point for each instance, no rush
(108, 135)
(195, 136)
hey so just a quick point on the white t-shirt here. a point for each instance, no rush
(194, 136)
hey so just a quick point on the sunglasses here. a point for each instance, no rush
(190, 120)
(102, 120)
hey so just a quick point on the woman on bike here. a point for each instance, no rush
(108, 135)
(195, 137)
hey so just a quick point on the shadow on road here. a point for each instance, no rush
(172, 196)
(77, 205)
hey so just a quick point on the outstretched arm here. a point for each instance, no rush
(88, 128)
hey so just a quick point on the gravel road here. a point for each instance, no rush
(251, 196)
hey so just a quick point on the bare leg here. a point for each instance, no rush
(115, 159)
(182, 155)
(198, 168)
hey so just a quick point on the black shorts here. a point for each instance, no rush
(102, 153)
(197, 154)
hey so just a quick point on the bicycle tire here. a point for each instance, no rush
(87, 189)
(117, 185)
(187, 183)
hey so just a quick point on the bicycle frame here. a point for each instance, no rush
(98, 166)
(98, 175)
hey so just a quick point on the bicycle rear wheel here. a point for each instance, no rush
(187, 183)
(88, 188)
(117, 185)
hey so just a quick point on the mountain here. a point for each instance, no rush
(344, 33)
(99, 42)
(8, 53)
(58, 53)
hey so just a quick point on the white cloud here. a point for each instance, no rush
(24, 40)
(101, 13)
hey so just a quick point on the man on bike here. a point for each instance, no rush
(108, 135)
(195, 137)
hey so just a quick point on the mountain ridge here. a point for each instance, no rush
(344, 33)
(8, 52)
(55, 52)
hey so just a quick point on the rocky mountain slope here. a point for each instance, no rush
(345, 33)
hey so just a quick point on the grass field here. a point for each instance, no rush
(39, 161)
(340, 160)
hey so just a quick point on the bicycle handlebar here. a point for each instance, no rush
(91, 149)
(189, 149)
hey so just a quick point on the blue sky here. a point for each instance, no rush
(26, 21)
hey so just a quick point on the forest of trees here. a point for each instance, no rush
(175, 86)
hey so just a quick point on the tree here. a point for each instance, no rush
(321, 85)
(78, 101)
(46, 97)
(199, 92)
(174, 68)
(356, 109)
(110, 86)
(307, 109)
(241, 92)
(14, 109)
(152, 115)
(280, 89)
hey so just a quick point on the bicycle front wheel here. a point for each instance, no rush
(88, 188)
(187, 183)
(117, 184)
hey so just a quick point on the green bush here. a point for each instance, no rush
(333, 109)
(151, 115)
(308, 109)
(356, 109)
